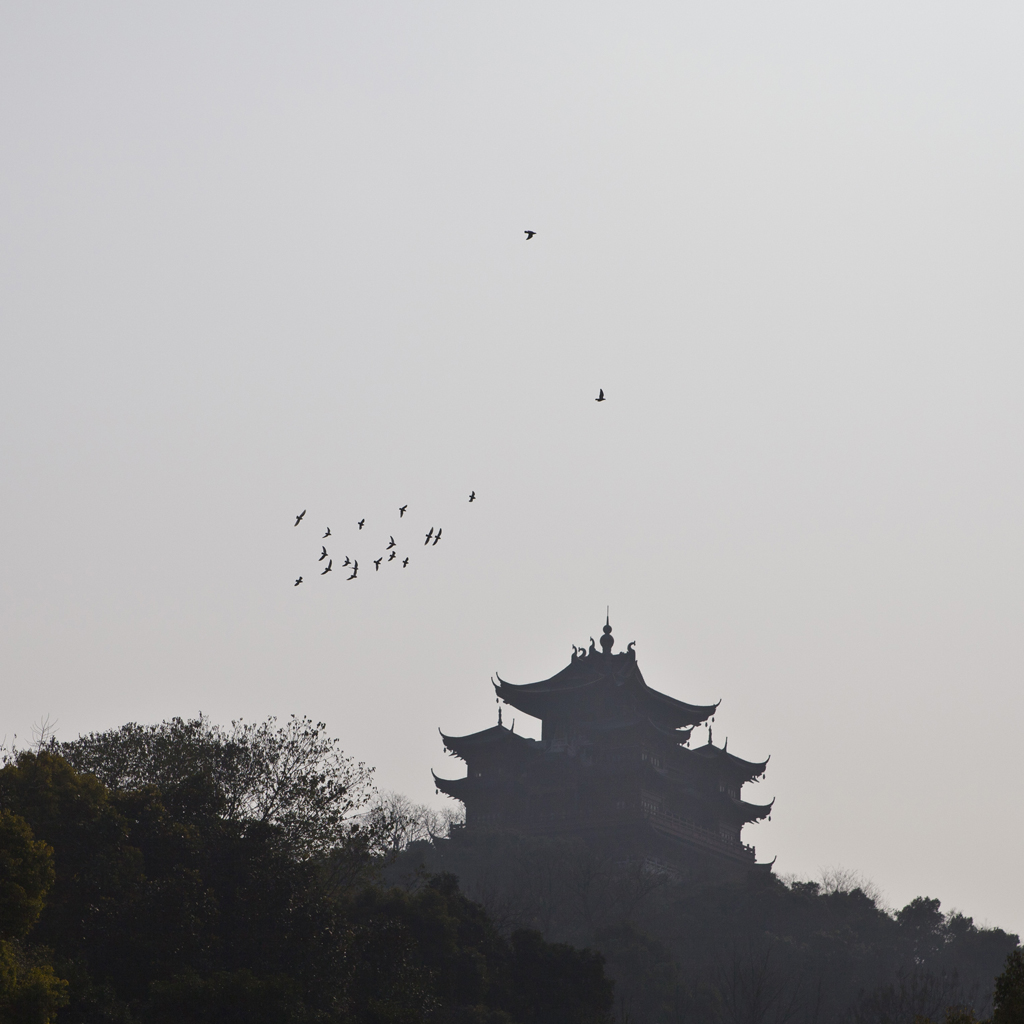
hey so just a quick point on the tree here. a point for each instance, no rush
(26, 874)
(434, 954)
(394, 821)
(30, 991)
(755, 989)
(554, 983)
(923, 924)
(290, 777)
(1008, 1002)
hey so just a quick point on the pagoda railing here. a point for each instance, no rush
(684, 829)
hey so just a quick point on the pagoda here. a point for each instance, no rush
(613, 767)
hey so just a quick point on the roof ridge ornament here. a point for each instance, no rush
(607, 640)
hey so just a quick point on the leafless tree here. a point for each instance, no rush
(755, 988)
(914, 994)
(43, 733)
(845, 880)
(393, 821)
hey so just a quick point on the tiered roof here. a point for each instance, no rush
(600, 696)
(598, 686)
(494, 738)
(730, 764)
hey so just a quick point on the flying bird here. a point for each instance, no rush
(392, 556)
(405, 563)
(376, 563)
(328, 569)
(298, 518)
(401, 511)
(327, 534)
(355, 565)
(298, 581)
(348, 561)
(438, 537)
(324, 555)
(391, 545)
(529, 234)
(429, 535)
(600, 395)
(472, 495)
(353, 576)
(360, 523)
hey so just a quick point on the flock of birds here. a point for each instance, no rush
(432, 538)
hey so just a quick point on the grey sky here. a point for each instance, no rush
(258, 258)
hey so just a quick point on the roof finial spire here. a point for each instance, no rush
(607, 640)
(499, 714)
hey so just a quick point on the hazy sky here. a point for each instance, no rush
(256, 258)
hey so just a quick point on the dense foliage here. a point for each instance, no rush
(184, 873)
(29, 988)
(765, 951)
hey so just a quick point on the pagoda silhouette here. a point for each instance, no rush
(614, 768)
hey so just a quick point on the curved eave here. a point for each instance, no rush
(678, 712)
(537, 698)
(457, 788)
(496, 736)
(583, 670)
(751, 812)
(745, 770)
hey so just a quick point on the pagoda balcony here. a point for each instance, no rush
(707, 838)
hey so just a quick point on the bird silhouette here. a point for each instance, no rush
(600, 395)
(438, 537)
(298, 518)
(391, 545)
(376, 563)
(429, 535)
(327, 534)
(348, 561)
(405, 563)
(472, 495)
(401, 511)
(298, 581)
(360, 523)
(355, 565)
(392, 556)
(530, 234)
(324, 555)
(328, 569)
(355, 572)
